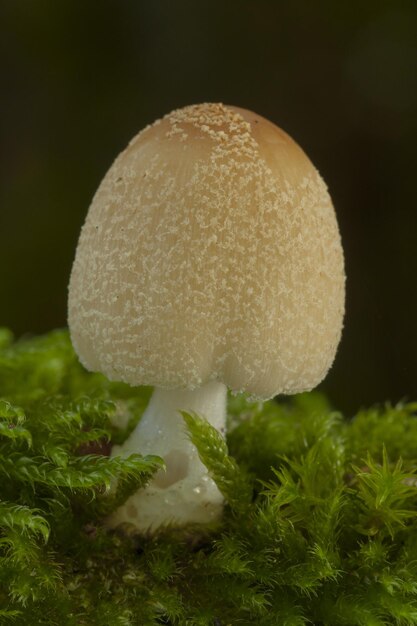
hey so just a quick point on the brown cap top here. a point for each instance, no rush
(210, 252)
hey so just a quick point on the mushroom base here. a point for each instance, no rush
(183, 492)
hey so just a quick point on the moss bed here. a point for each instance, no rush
(319, 528)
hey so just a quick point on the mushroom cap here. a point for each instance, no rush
(210, 251)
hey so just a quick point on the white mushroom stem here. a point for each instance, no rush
(184, 492)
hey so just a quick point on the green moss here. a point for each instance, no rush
(320, 525)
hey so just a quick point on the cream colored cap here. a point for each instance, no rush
(210, 251)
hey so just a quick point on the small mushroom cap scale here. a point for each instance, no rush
(210, 251)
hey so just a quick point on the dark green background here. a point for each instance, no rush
(79, 79)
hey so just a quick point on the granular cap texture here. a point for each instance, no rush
(210, 251)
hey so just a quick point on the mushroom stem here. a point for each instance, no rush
(183, 492)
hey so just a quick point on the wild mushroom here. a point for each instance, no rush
(210, 259)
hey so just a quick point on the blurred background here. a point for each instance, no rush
(79, 79)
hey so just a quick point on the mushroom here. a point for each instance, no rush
(210, 259)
